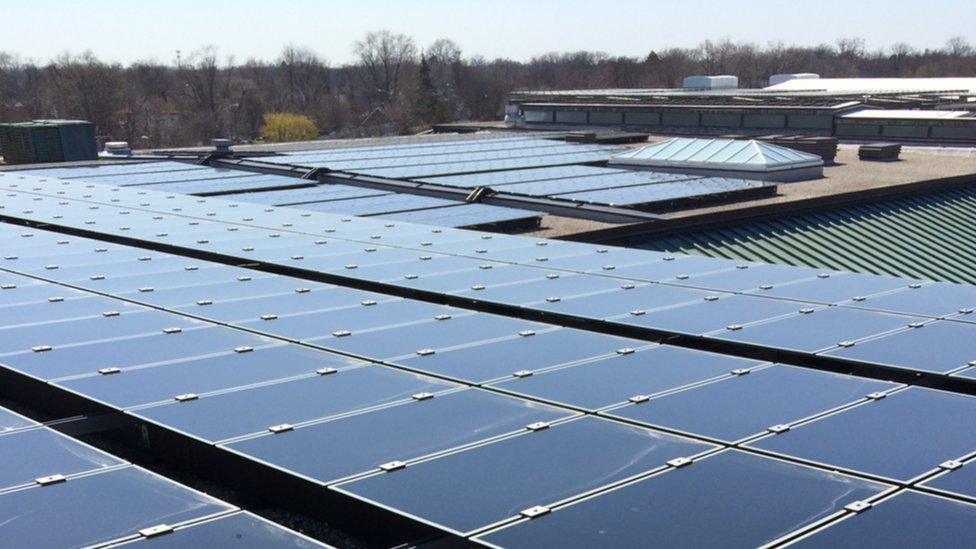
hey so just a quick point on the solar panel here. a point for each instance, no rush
(709, 314)
(337, 449)
(233, 414)
(376, 205)
(99, 508)
(319, 193)
(519, 176)
(438, 393)
(904, 444)
(464, 215)
(592, 454)
(237, 530)
(931, 299)
(906, 519)
(527, 353)
(703, 507)
(120, 169)
(941, 347)
(744, 404)
(226, 184)
(202, 375)
(474, 166)
(58, 492)
(629, 373)
(594, 182)
(666, 192)
(155, 178)
(812, 330)
(836, 287)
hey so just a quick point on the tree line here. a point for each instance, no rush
(394, 85)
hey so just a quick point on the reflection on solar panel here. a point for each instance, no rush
(58, 492)
(337, 383)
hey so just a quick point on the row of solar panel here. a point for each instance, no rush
(328, 198)
(733, 412)
(58, 492)
(419, 151)
(796, 321)
(602, 185)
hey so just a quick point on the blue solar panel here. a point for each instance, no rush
(812, 330)
(526, 353)
(226, 184)
(930, 299)
(558, 187)
(464, 215)
(665, 192)
(628, 373)
(319, 193)
(356, 164)
(835, 287)
(887, 438)
(744, 405)
(473, 166)
(10, 421)
(376, 205)
(228, 415)
(520, 176)
(940, 347)
(289, 408)
(908, 519)
(702, 507)
(239, 530)
(418, 153)
(360, 443)
(99, 508)
(138, 179)
(119, 169)
(592, 453)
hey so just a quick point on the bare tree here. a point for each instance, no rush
(83, 87)
(306, 77)
(958, 46)
(384, 57)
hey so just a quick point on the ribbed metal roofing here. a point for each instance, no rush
(930, 236)
(717, 154)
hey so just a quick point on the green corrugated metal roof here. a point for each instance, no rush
(929, 236)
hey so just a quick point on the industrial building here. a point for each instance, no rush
(797, 105)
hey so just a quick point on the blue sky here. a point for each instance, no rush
(130, 30)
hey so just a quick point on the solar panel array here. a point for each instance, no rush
(176, 177)
(450, 417)
(58, 492)
(449, 158)
(527, 166)
(595, 185)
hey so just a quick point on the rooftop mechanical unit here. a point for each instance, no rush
(47, 141)
(720, 82)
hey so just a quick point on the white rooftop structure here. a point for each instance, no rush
(724, 157)
(720, 82)
(783, 77)
(849, 85)
(905, 114)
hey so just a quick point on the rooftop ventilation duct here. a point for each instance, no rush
(721, 82)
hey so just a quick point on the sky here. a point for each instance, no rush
(134, 30)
